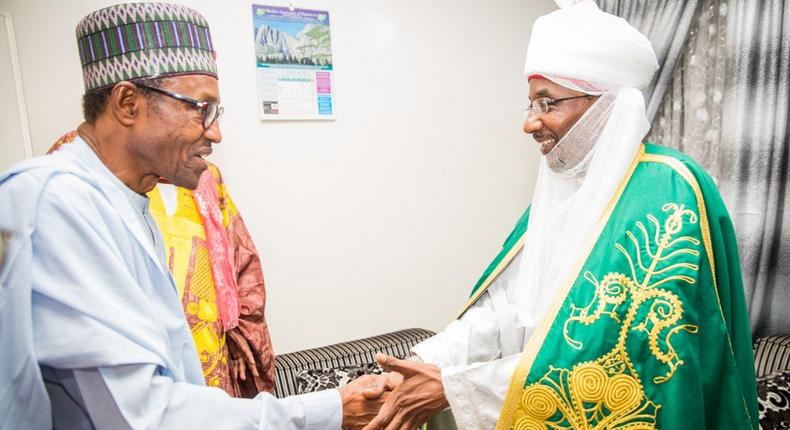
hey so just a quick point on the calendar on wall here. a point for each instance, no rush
(293, 53)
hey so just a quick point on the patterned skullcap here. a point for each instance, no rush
(139, 40)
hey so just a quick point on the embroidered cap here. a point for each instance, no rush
(139, 40)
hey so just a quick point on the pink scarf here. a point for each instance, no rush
(219, 250)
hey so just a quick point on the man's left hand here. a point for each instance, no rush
(419, 397)
(241, 356)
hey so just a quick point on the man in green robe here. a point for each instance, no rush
(616, 302)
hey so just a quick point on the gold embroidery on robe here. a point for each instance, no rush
(608, 392)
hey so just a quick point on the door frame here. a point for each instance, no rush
(20, 90)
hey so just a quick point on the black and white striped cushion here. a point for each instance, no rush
(354, 353)
(771, 354)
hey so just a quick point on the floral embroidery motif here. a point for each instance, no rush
(608, 393)
(200, 304)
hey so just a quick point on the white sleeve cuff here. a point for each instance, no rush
(476, 392)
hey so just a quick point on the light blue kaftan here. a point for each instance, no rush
(86, 299)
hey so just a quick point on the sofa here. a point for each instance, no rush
(772, 368)
(335, 365)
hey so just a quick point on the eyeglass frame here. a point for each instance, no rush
(548, 101)
(203, 106)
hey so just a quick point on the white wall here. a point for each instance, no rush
(384, 218)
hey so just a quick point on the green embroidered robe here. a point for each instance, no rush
(651, 330)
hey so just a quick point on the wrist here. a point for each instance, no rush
(345, 401)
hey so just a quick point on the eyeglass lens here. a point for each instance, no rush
(211, 114)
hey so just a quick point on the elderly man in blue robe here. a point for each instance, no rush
(92, 331)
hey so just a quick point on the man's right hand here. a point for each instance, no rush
(363, 398)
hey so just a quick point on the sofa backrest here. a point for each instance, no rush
(771, 354)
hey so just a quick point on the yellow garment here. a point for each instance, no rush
(188, 259)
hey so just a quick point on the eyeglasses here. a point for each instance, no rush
(211, 111)
(541, 105)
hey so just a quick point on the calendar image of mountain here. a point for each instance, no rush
(298, 37)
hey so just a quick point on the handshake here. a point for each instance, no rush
(403, 399)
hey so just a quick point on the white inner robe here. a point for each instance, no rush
(479, 352)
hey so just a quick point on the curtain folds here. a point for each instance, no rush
(722, 97)
(666, 24)
(754, 154)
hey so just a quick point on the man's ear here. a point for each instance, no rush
(125, 103)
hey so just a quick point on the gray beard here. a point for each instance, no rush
(572, 154)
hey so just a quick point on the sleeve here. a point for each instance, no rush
(731, 295)
(476, 392)
(252, 294)
(135, 396)
(252, 301)
(24, 402)
(489, 330)
(478, 354)
(475, 375)
(472, 338)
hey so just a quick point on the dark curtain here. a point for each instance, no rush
(754, 154)
(723, 99)
(666, 23)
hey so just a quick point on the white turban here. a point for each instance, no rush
(587, 50)
(582, 42)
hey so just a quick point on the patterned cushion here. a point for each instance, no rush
(773, 395)
(312, 380)
(771, 354)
